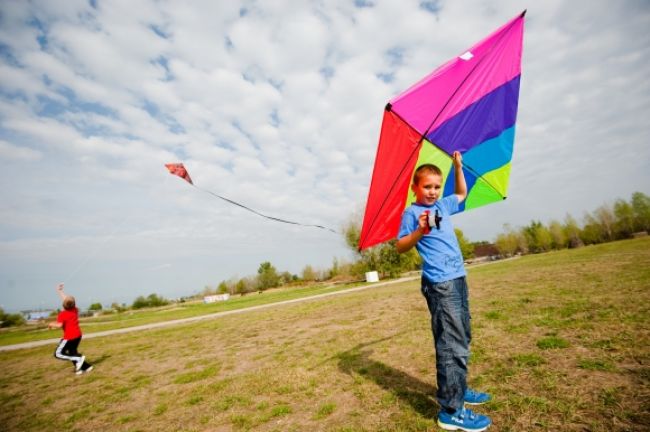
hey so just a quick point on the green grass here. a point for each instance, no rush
(552, 342)
(561, 341)
(596, 364)
(190, 377)
(171, 312)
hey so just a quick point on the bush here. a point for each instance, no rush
(267, 276)
(118, 307)
(383, 258)
(152, 300)
(10, 320)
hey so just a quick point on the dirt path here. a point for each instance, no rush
(38, 343)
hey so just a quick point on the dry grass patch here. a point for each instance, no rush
(364, 361)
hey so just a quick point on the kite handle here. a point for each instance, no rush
(427, 230)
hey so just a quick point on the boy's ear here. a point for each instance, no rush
(413, 186)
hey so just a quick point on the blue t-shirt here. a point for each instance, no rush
(440, 252)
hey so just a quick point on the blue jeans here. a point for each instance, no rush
(450, 325)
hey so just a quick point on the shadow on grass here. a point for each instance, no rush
(98, 360)
(419, 395)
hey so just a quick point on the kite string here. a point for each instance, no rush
(96, 250)
(106, 239)
(261, 214)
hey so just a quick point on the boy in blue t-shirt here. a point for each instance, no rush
(426, 225)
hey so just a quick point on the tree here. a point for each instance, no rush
(572, 232)
(391, 263)
(352, 233)
(334, 271)
(95, 307)
(267, 276)
(538, 237)
(139, 302)
(641, 207)
(240, 287)
(286, 277)
(383, 258)
(624, 213)
(604, 216)
(118, 307)
(10, 320)
(507, 243)
(592, 231)
(466, 248)
(558, 238)
(308, 273)
(152, 300)
(156, 300)
(222, 288)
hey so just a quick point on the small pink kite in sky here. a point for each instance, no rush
(179, 170)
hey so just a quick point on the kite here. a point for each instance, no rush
(469, 105)
(178, 169)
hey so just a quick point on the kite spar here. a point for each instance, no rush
(179, 170)
(469, 105)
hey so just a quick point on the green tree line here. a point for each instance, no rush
(607, 223)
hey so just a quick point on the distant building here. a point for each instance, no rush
(486, 250)
(216, 298)
(33, 316)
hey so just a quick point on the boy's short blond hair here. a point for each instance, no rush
(69, 303)
(425, 169)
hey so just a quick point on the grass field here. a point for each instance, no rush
(174, 311)
(562, 341)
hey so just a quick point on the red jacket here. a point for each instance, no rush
(70, 321)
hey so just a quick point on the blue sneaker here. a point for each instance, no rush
(473, 397)
(465, 420)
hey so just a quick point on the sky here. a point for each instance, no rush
(276, 105)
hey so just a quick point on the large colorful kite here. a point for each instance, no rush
(468, 104)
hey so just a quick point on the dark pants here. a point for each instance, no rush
(67, 350)
(450, 325)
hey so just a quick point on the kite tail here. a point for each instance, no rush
(261, 214)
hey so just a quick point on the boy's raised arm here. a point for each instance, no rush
(460, 186)
(59, 289)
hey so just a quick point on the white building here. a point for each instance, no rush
(216, 298)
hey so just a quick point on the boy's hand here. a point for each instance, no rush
(59, 287)
(423, 222)
(457, 159)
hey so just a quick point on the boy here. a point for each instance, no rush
(445, 289)
(68, 320)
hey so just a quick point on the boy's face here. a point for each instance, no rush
(428, 188)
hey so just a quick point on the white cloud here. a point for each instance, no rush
(278, 105)
(13, 152)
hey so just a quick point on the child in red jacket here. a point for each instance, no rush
(68, 320)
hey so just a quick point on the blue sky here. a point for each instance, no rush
(277, 105)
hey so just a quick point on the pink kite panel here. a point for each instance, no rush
(451, 88)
